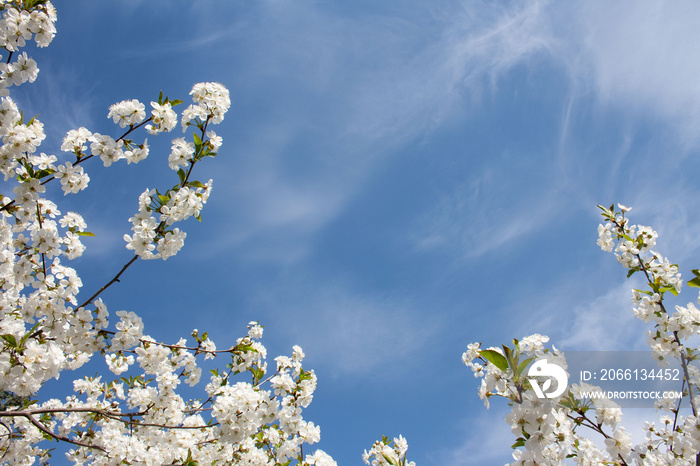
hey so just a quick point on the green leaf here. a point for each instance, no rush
(182, 175)
(175, 102)
(205, 153)
(45, 172)
(607, 213)
(671, 289)
(160, 98)
(189, 461)
(524, 364)
(507, 351)
(195, 184)
(28, 334)
(695, 282)
(85, 233)
(197, 142)
(495, 358)
(163, 199)
(30, 169)
(10, 339)
(518, 443)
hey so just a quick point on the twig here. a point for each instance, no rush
(110, 283)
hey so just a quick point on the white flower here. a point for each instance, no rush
(164, 118)
(620, 444)
(73, 220)
(214, 140)
(73, 178)
(209, 348)
(137, 153)
(623, 208)
(320, 458)
(75, 140)
(181, 153)
(127, 112)
(107, 148)
(118, 363)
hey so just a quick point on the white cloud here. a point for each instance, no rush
(348, 332)
(484, 216)
(488, 440)
(643, 54)
(382, 89)
(635, 58)
(606, 323)
(60, 100)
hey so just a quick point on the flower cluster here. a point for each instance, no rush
(550, 430)
(151, 237)
(239, 423)
(387, 452)
(139, 416)
(634, 251)
(20, 23)
(211, 102)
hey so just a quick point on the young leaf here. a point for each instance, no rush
(695, 282)
(189, 461)
(524, 365)
(495, 358)
(672, 289)
(10, 339)
(197, 142)
(28, 334)
(43, 173)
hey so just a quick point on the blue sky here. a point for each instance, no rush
(398, 179)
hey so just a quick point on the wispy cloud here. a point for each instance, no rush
(61, 102)
(604, 324)
(641, 56)
(487, 41)
(488, 439)
(484, 216)
(348, 332)
(382, 90)
(637, 65)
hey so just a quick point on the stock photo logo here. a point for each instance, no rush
(542, 368)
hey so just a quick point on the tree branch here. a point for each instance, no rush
(110, 283)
